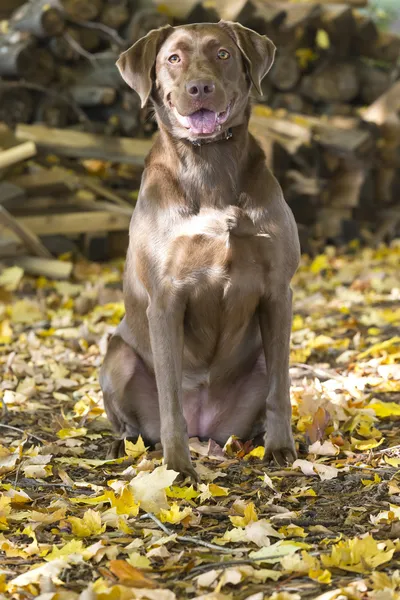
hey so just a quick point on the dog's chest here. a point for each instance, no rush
(209, 253)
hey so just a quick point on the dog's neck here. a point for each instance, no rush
(210, 174)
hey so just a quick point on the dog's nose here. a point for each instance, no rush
(200, 89)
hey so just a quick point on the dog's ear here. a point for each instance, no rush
(258, 51)
(136, 64)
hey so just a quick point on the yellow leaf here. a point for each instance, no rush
(299, 355)
(71, 432)
(137, 560)
(392, 461)
(135, 450)
(174, 514)
(6, 332)
(305, 56)
(366, 444)
(72, 547)
(293, 531)
(89, 525)
(359, 555)
(250, 516)
(384, 409)
(322, 39)
(320, 575)
(217, 490)
(298, 323)
(320, 263)
(376, 349)
(10, 278)
(374, 481)
(124, 503)
(256, 453)
(184, 493)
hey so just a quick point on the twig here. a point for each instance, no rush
(232, 563)
(186, 538)
(40, 88)
(24, 432)
(108, 31)
(78, 48)
(318, 371)
(29, 238)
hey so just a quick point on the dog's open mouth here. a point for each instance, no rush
(203, 121)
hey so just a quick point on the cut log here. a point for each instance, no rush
(338, 21)
(335, 82)
(87, 95)
(45, 267)
(330, 221)
(285, 72)
(385, 48)
(61, 49)
(202, 12)
(345, 186)
(75, 223)
(16, 105)
(52, 112)
(143, 21)
(7, 7)
(85, 145)
(42, 18)
(374, 83)
(256, 14)
(16, 58)
(83, 10)
(177, 9)
(115, 14)
(351, 143)
(292, 102)
(27, 237)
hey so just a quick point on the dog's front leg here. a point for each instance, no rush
(275, 325)
(165, 317)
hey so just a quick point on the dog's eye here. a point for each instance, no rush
(174, 59)
(223, 54)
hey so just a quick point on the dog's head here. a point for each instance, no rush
(198, 76)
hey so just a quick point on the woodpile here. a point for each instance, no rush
(74, 136)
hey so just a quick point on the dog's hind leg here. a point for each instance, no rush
(130, 396)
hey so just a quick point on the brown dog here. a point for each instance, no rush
(204, 347)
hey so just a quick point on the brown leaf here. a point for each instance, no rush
(129, 575)
(316, 431)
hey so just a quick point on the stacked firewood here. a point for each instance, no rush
(328, 116)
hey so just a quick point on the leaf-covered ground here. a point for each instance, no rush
(75, 525)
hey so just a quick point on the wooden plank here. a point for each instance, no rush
(384, 107)
(42, 182)
(48, 267)
(75, 222)
(17, 154)
(77, 144)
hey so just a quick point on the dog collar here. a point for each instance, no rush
(225, 136)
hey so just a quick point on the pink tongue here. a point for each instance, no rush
(203, 121)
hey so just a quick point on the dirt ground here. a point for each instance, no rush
(76, 525)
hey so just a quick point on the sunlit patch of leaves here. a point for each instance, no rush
(75, 525)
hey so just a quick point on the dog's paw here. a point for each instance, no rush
(180, 461)
(280, 449)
